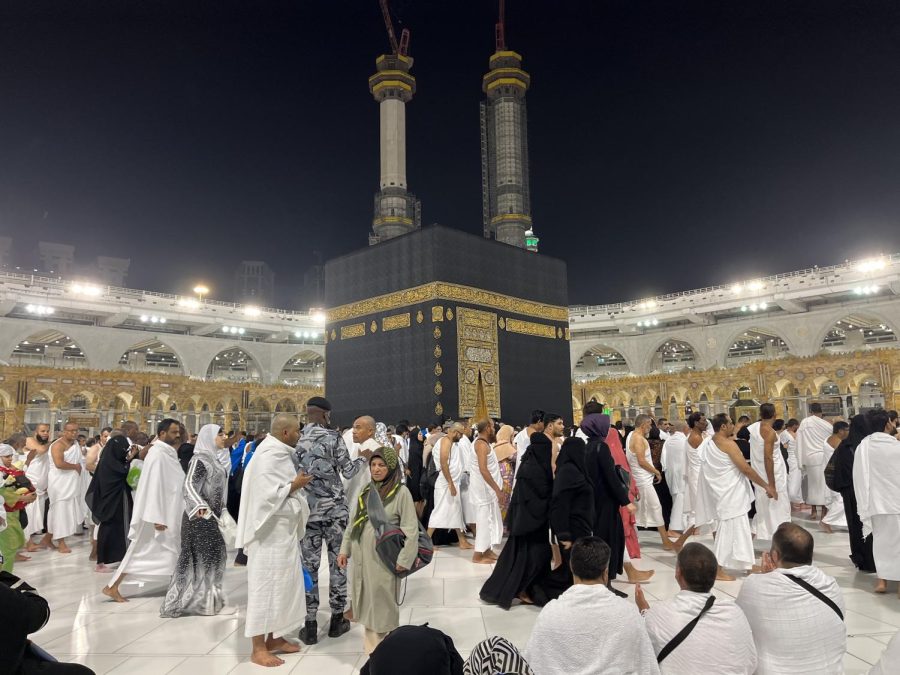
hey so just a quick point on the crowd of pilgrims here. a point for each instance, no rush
(567, 501)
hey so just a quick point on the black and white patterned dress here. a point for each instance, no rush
(196, 585)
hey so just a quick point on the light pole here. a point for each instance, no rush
(201, 290)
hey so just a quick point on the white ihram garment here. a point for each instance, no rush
(691, 481)
(448, 512)
(724, 626)
(271, 523)
(673, 462)
(813, 432)
(488, 517)
(795, 476)
(876, 480)
(64, 490)
(723, 499)
(38, 473)
(467, 456)
(770, 513)
(649, 510)
(794, 631)
(833, 500)
(522, 440)
(353, 486)
(153, 553)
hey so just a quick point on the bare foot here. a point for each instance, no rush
(262, 657)
(826, 528)
(349, 615)
(282, 645)
(639, 576)
(481, 559)
(491, 555)
(63, 548)
(103, 569)
(114, 594)
(881, 586)
(21, 557)
(721, 575)
(524, 599)
(668, 546)
(465, 545)
(31, 547)
(673, 534)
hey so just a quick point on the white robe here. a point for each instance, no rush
(770, 513)
(66, 500)
(673, 462)
(795, 476)
(488, 517)
(876, 480)
(521, 440)
(833, 500)
(572, 635)
(723, 499)
(795, 632)
(724, 626)
(649, 510)
(448, 510)
(354, 485)
(691, 481)
(158, 500)
(38, 473)
(467, 454)
(271, 523)
(813, 432)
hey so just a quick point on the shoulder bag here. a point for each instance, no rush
(817, 593)
(390, 539)
(672, 644)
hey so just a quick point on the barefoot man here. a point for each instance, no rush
(724, 497)
(448, 511)
(64, 488)
(271, 522)
(37, 469)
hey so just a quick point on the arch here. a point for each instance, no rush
(696, 362)
(48, 347)
(842, 321)
(5, 398)
(304, 367)
(152, 354)
(286, 405)
(756, 342)
(234, 363)
(601, 360)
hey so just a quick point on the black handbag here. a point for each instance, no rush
(623, 476)
(390, 540)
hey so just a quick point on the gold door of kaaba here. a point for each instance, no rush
(478, 355)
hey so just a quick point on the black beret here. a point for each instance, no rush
(318, 402)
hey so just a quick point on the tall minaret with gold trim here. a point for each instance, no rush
(397, 211)
(506, 201)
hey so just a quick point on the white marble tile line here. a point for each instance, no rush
(131, 638)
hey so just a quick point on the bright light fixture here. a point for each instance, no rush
(87, 289)
(251, 310)
(871, 265)
(318, 316)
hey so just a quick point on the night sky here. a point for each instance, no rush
(674, 143)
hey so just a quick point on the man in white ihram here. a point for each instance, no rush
(766, 460)
(64, 488)
(155, 531)
(271, 523)
(673, 458)
(811, 436)
(876, 480)
(795, 610)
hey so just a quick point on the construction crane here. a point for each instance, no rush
(401, 49)
(500, 28)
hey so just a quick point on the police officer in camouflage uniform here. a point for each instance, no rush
(321, 453)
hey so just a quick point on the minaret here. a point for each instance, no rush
(397, 211)
(504, 148)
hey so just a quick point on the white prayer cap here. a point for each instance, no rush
(6, 450)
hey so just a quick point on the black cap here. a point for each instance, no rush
(318, 402)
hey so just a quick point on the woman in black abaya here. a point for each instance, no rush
(860, 547)
(525, 560)
(109, 499)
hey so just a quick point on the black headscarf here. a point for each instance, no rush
(411, 650)
(105, 492)
(572, 460)
(530, 503)
(846, 451)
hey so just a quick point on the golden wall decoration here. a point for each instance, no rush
(354, 330)
(437, 332)
(437, 313)
(438, 369)
(373, 327)
(419, 317)
(437, 351)
(531, 328)
(333, 334)
(438, 388)
(440, 290)
(502, 323)
(396, 321)
(449, 314)
(438, 409)
(477, 353)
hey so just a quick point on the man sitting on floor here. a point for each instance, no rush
(721, 622)
(588, 630)
(795, 610)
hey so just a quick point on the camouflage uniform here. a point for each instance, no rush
(322, 453)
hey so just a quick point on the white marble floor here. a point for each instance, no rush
(131, 638)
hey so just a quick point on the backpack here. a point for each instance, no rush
(390, 539)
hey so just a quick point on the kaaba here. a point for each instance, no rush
(439, 323)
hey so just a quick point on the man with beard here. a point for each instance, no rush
(37, 470)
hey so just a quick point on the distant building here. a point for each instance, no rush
(111, 271)
(6, 254)
(57, 260)
(312, 294)
(254, 283)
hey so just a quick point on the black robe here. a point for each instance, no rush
(109, 499)
(860, 547)
(609, 496)
(525, 560)
(416, 448)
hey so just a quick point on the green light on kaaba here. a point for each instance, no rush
(531, 241)
(607, 411)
